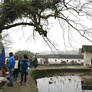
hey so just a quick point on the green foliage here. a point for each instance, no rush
(21, 53)
(16, 9)
(12, 10)
(0, 37)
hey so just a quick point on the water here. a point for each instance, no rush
(60, 84)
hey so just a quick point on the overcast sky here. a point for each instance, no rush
(22, 39)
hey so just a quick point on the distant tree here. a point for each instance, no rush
(21, 53)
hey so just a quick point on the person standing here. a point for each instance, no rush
(20, 58)
(24, 66)
(16, 71)
(35, 62)
(11, 63)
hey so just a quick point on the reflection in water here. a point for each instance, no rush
(60, 84)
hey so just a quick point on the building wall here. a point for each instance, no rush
(42, 60)
(87, 58)
(59, 60)
(54, 60)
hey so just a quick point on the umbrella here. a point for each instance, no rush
(2, 58)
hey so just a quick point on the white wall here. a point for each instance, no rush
(87, 58)
(54, 61)
(58, 61)
(41, 60)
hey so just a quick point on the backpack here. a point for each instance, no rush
(24, 66)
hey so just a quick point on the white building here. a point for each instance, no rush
(87, 52)
(59, 59)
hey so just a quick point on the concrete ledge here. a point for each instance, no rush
(39, 73)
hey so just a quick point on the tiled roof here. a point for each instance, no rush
(61, 56)
(87, 48)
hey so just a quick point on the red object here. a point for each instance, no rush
(88, 64)
(7, 73)
(86, 52)
(8, 78)
(0, 74)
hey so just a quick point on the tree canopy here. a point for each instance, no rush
(12, 10)
(39, 11)
(23, 52)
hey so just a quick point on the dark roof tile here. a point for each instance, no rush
(87, 48)
(61, 56)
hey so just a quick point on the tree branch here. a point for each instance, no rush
(14, 25)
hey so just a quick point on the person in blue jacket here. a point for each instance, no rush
(24, 66)
(11, 63)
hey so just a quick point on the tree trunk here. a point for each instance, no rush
(1, 44)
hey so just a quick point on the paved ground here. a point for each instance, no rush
(29, 87)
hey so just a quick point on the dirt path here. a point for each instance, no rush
(29, 87)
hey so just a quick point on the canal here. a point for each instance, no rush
(61, 84)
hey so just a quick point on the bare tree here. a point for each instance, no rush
(37, 13)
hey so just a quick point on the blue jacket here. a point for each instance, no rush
(11, 62)
(21, 64)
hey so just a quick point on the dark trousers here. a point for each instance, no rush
(23, 77)
(16, 71)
